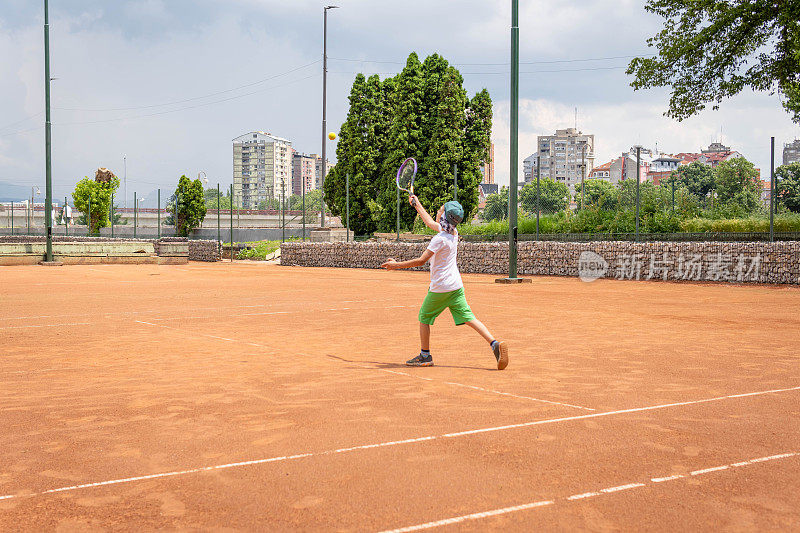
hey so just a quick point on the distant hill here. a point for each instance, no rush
(13, 193)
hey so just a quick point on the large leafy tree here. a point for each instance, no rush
(710, 50)
(788, 189)
(190, 198)
(597, 193)
(424, 113)
(696, 177)
(553, 196)
(93, 196)
(361, 147)
(496, 206)
(736, 183)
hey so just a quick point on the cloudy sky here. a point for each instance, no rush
(169, 83)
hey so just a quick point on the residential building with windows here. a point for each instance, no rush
(529, 168)
(566, 155)
(318, 169)
(262, 164)
(304, 172)
(791, 152)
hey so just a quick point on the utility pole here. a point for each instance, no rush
(48, 140)
(772, 183)
(638, 179)
(514, 155)
(324, 105)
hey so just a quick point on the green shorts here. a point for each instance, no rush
(436, 302)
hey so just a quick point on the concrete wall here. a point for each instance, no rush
(745, 262)
(27, 250)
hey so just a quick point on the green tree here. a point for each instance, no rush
(94, 197)
(554, 196)
(597, 193)
(359, 152)
(696, 177)
(191, 202)
(710, 50)
(424, 113)
(788, 189)
(496, 206)
(211, 200)
(737, 185)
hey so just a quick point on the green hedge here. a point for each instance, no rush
(591, 221)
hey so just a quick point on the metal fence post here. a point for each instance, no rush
(111, 210)
(398, 215)
(88, 216)
(135, 214)
(219, 228)
(177, 198)
(772, 184)
(638, 171)
(12, 218)
(231, 222)
(673, 196)
(283, 210)
(66, 219)
(347, 186)
(455, 181)
(159, 213)
(538, 206)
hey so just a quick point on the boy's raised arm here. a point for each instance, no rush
(426, 218)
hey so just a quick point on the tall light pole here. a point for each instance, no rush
(514, 155)
(47, 140)
(324, 104)
(583, 172)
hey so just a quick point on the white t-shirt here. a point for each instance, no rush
(444, 268)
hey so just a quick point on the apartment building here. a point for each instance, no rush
(318, 169)
(262, 165)
(566, 155)
(529, 168)
(304, 172)
(791, 152)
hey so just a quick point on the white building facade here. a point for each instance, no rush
(262, 165)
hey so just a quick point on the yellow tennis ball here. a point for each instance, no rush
(331, 136)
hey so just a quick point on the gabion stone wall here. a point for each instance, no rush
(204, 251)
(742, 262)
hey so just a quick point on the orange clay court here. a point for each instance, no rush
(266, 398)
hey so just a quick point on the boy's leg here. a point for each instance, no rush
(425, 336)
(478, 326)
(499, 348)
(462, 314)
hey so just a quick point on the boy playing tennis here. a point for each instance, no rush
(446, 289)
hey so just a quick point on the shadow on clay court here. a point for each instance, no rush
(384, 365)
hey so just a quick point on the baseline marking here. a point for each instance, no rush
(576, 497)
(410, 441)
(47, 325)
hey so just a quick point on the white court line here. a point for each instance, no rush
(407, 441)
(194, 334)
(576, 497)
(47, 325)
(476, 388)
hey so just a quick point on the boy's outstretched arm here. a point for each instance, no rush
(426, 218)
(391, 264)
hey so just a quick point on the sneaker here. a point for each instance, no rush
(420, 361)
(500, 350)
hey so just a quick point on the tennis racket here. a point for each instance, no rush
(406, 174)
